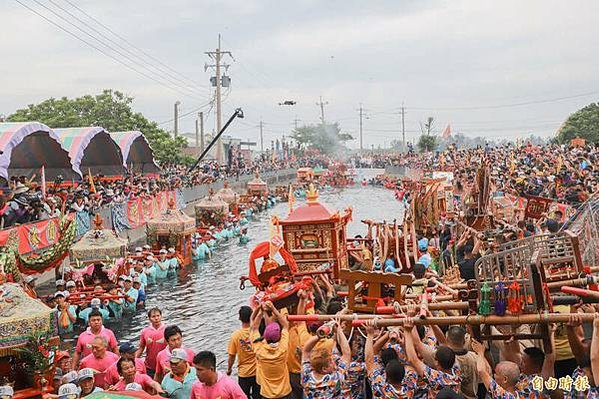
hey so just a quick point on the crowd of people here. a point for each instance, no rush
(566, 174)
(278, 358)
(23, 201)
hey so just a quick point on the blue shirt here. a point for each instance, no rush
(84, 314)
(131, 306)
(72, 309)
(160, 273)
(179, 390)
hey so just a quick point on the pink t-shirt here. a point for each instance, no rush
(162, 360)
(112, 374)
(142, 379)
(225, 388)
(86, 337)
(100, 365)
(153, 339)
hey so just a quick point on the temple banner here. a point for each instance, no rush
(139, 210)
(33, 236)
(40, 235)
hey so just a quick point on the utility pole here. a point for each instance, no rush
(176, 127)
(261, 136)
(197, 133)
(403, 125)
(322, 104)
(218, 82)
(361, 114)
(295, 121)
(201, 116)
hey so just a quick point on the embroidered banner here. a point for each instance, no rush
(128, 215)
(33, 236)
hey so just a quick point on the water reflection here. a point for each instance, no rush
(204, 299)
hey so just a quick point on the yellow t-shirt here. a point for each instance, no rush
(562, 345)
(272, 373)
(241, 347)
(298, 335)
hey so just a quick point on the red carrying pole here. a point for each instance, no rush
(580, 292)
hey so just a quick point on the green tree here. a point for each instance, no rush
(111, 110)
(427, 141)
(583, 123)
(327, 138)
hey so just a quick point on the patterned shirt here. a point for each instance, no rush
(327, 387)
(437, 380)
(354, 381)
(498, 392)
(401, 352)
(383, 390)
(574, 394)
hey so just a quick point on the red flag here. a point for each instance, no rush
(447, 132)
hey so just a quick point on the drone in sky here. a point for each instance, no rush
(288, 102)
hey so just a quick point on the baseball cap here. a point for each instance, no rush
(95, 302)
(71, 283)
(6, 392)
(138, 249)
(147, 247)
(61, 355)
(177, 355)
(137, 280)
(423, 244)
(68, 391)
(127, 347)
(162, 251)
(171, 250)
(127, 278)
(70, 377)
(59, 293)
(272, 332)
(59, 282)
(85, 374)
(134, 386)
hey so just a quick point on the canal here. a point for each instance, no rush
(203, 299)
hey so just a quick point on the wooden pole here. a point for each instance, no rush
(431, 306)
(478, 320)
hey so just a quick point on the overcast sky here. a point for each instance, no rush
(490, 68)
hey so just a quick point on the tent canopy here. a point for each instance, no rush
(137, 154)
(27, 146)
(92, 148)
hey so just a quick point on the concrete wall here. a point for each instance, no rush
(194, 194)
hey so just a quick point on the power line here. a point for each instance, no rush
(161, 71)
(185, 88)
(133, 46)
(99, 49)
(519, 104)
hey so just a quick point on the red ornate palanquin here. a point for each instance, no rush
(314, 235)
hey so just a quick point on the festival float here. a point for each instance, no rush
(172, 229)
(28, 339)
(339, 175)
(516, 282)
(315, 235)
(94, 257)
(211, 210)
(257, 186)
(228, 195)
(304, 175)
